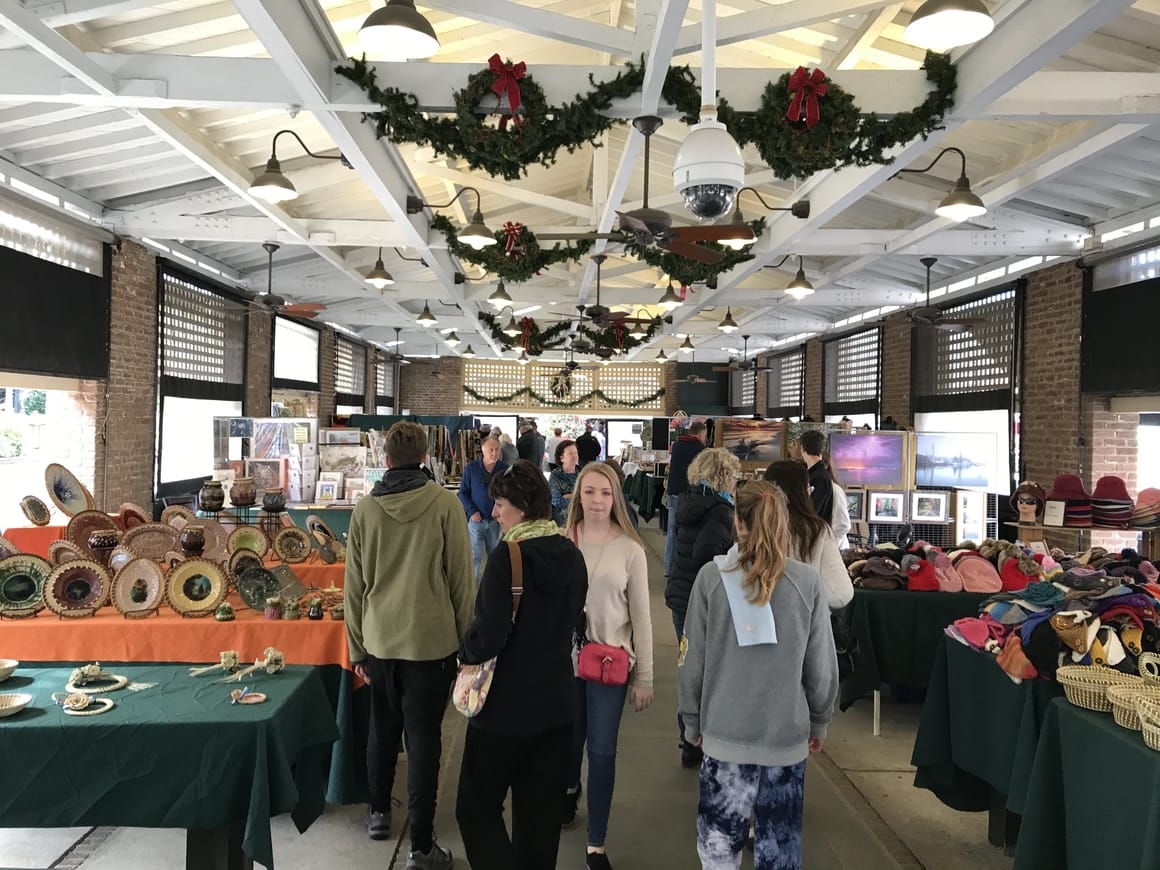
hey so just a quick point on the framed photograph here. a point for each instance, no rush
(929, 507)
(970, 515)
(882, 460)
(326, 490)
(354, 493)
(267, 473)
(757, 441)
(887, 507)
(965, 459)
(856, 504)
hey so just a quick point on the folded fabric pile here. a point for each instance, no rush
(1111, 504)
(1146, 513)
(1069, 489)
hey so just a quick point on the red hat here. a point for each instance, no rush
(1012, 576)
(1068, 487)
(1111, 488)
(921, 577)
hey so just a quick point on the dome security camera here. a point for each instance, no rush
(709, 170)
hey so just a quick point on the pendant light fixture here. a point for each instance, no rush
(942, 24)
(728, 325)
(499, 298)
(800, 287)
(452, 339)
(379, 277)
(476, 234)
(397, 31)
(670, 300)
(661, 356)
(686, 346)
(511, 328)
(522, 359)
(638, 330)
(272, 185)
(468, 352)
(426, 318)
(961, 203)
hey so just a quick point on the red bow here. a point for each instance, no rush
(526, 332)
(507, 79)
(807, 87)
(513, 232)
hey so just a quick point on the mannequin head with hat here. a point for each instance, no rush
(1028, 499)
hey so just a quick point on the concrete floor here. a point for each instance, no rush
(862, 810)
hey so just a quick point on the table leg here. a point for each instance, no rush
(216, 849)
(996, 817)
(877, 712)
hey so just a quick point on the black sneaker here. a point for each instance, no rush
(598, 861)
(571, 805)
(690, 755)
(378, 825)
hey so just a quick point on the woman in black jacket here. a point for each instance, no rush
(704, 530)
(522, 739)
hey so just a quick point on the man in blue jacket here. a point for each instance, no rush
(685, 450)
(477, 504)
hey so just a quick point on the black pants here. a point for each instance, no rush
(408, 697)
(535, 769)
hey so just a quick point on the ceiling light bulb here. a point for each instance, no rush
(687, 345)
(670, 300)
(942, 24)
(452, 340)
(728, 325)
(469, 353)
(426, 318)
(511, 327)
(743, 233)
(397, 31)
(476, 234)
(961, 203)
(379, 277)
(661, 357)
(499, 298)
(272, 186)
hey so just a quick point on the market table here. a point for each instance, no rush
(35, 539)
(1094, 796)
(898, 633)
(977, 737)
(647, 491)
(176, 754)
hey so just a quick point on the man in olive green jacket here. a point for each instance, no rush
(409, 598)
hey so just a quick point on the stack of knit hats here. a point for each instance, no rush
(1146, 514)
(1111, 504)
(1069, 489)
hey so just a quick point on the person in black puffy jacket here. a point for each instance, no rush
(704, 523)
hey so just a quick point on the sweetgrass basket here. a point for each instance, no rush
(1148, 665)
(1123, 701)
(1087, 685)
(1148, 709)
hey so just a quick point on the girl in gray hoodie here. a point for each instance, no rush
(758, 682)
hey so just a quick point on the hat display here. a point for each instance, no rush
(1146, 514)
(1068, 487)
(921, 577)
(1111, 504)
(1076, 628)
(1031, 488)
(978, 574)
(1011, 576)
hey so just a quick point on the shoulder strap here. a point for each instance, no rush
(517, 576)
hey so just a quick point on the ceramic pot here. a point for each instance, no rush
(192, 540)
(212, 497)
(274, 501)
(273, 608)
(337, 613)
(224, 612)
(291, 611)
(243, 493)
(315, 611)
(102, 542)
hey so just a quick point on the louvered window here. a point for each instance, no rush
(295, 355)
(970, 364)
(350, 373)
(203, 340)
(852, 365)
(742, 392)
(384, 386)
(783, 390)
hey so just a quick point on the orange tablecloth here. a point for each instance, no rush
(35, 539)
(167, 637)
(315, 572)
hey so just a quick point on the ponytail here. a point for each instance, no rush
(762, 548)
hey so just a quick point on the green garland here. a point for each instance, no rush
(555, 335)
(688, 272)
(530, 261)
(506, 153)
(842, 137)
(560, 403)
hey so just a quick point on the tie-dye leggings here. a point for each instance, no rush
(732, 795)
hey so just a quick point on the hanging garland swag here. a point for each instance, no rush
(806, 122)
(560, 403)
(517, 257)
(535, 340)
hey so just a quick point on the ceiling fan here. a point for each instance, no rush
(275, 304)
(394, 355)
(930, 316)
(581, 344)
(650, 226)
(744, 364)
(570, 365)
(602, 315)
(693, 377)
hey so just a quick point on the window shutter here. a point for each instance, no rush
(203, 340)
(350, 372)
(742, 398)
(384, 383)
(852, 365)
(783, 396)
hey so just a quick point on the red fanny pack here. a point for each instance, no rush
(600, 663)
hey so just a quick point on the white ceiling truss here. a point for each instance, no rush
(148, 120)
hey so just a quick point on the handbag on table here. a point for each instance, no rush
(473, 682)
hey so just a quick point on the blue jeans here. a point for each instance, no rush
(671, 535)
(732, 795)
(484, 538)
(598, 711)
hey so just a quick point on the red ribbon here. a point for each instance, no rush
(526, 332)
(806, 87)
(618, 332)
(513, 232)
(507, 79)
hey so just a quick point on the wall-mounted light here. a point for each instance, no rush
(476, 234)
(499, 298)
(743, 233)
(961, 203)
(272, 185)
(397, 31)
(800, 287)
(511, 328)
(379, 277)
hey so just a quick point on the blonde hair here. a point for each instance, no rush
(619, 508)
(763, 537)
(717, 467)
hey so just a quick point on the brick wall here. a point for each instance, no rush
(75, 443)
(813, 398)
(432, 387)
(761, 391)
(896, 335)
(371, 383)
(259, 363)
(1110, 450)
(326, 352)
(125, 444)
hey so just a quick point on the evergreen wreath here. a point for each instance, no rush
(554, 336)
(687, 272)
(552, 401)
(529, 261)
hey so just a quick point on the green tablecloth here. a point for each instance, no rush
(646, 491)
(1094, 796)
(898, 633)
(174, 755)
(978, 730)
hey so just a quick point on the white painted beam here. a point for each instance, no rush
(773, 19)
(541, 22)
(848, 55)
